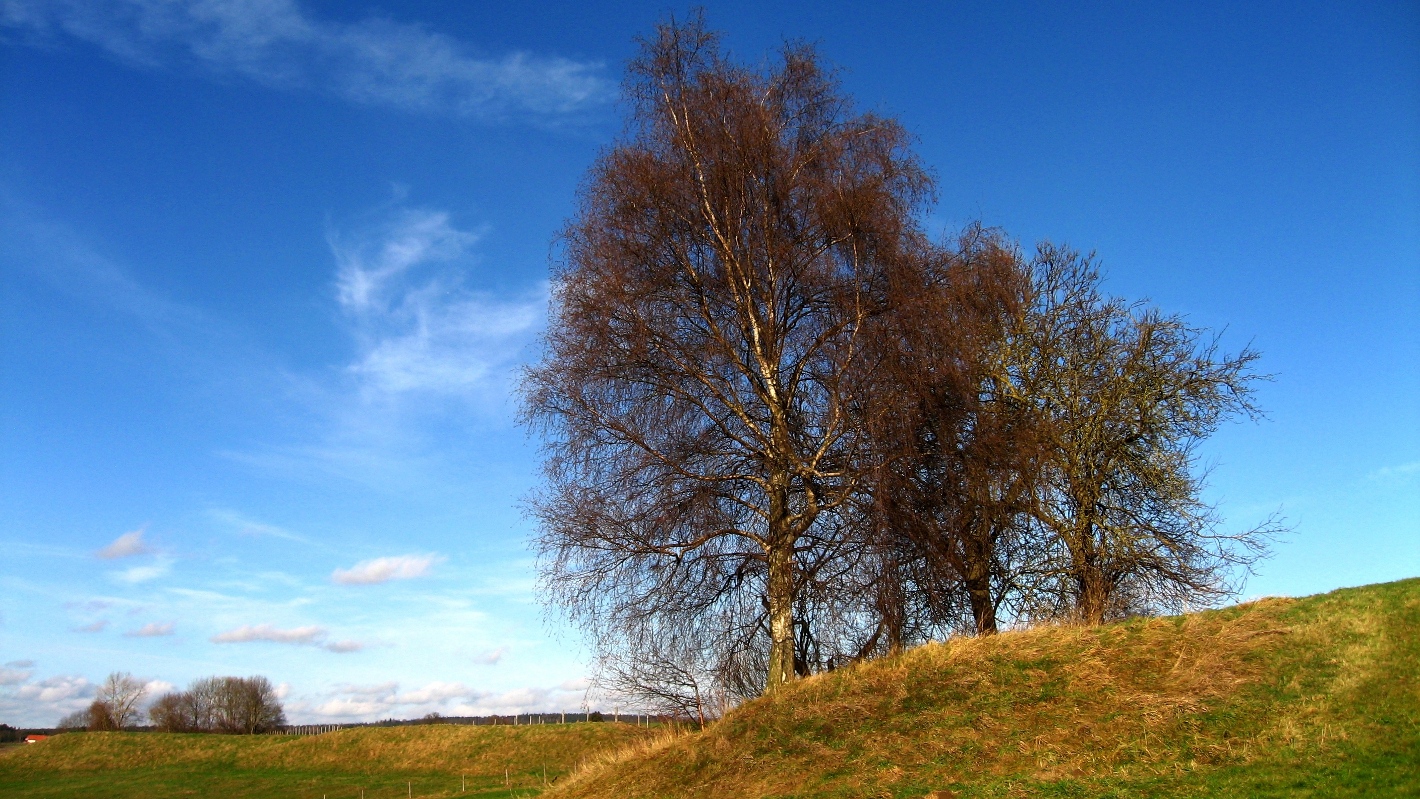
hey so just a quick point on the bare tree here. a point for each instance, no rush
(247, 706)
(100, 717)
(665, 674)
(170, 713)
(702, 433)
(1123, 394)
(957, 453)
(121, 693)
(78, 720)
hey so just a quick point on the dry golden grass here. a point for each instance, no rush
(449, 749)
(1145, 699)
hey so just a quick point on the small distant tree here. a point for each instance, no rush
(78, 720)
(247, 706)
(100, 717)
(667, 675)
(179, 711)
(121, 694)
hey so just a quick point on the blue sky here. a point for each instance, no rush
(268, 270)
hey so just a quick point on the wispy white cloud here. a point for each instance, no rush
(277, 43)
(491, 657)
(30, 240)
(126, 546)
(426, 349)
(1398, 472)
(95, 627)
(250, 527)
(142, 574)
(152, 630)
(382, 570)
(300, 636)
(417, 328)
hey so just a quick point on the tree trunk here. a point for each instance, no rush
(1088, 571)
(983, 605)
(781, 590)
(1094, 594)
(976, 574)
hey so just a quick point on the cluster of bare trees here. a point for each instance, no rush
(232, 705)
(114, 708)
(785, 430)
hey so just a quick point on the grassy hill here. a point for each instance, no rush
(1317, 697)
(435, 760)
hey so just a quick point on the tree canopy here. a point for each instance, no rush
(784, 429)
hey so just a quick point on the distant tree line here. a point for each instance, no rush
(231, 705)
(785, 430)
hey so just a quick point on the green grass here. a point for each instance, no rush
(1317, 697)
(382, 761)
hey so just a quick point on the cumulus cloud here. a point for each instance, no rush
(382, 570)
(299, 636)
(95, 627)
(126, 546)
(14, 676)
(421, 331)
(386, 700)
(56, 689)
(25, 703)
(434, 693)
(277, 43)
(152, 630)
(156, 688)
(248, 633)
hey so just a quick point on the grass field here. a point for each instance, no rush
(427, 761)
(1316, 697)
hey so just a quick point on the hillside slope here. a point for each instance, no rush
(1311, 697)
